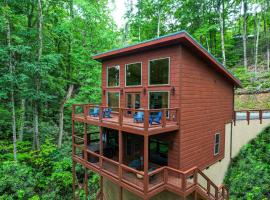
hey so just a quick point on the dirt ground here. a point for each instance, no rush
(252, 101)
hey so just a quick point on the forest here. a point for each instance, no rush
(46, 66)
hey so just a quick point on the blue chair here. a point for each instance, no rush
(156, 118)
(107, 113)
(138, 117)
(94, 112)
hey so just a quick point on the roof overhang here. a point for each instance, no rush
(176, 38)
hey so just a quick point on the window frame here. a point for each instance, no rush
(215, 143)
(107, 76)
(126, 75)
(107, 98)
(159, 91)
(169, 71)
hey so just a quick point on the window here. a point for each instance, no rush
(159, 71)
(134, 74)
(113, 99)
(113, 76)
(217, 144)
(158, 100)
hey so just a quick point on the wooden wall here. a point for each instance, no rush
(204, 96)
(206, 106)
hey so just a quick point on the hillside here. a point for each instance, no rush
(248, 176)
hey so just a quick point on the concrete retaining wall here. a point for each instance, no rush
(242, 133)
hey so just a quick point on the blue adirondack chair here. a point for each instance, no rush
(138, 117)
(107, 113)
(155, 118)
(94, 112)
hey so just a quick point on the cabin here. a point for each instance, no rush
(161, 121)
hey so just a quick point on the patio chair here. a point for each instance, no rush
(155, 118)
(107, 113)
(138, 117)
(94, 112)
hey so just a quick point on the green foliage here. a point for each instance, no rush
(248, 176)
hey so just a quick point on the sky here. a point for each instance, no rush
(118, 11)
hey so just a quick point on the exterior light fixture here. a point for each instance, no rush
(104, 92)
(121, 91)
(173, 90)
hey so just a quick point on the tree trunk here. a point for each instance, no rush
(221, 24)
(37, 75)
(11, 71)
(36, 127)
(158, 24)
(257, 22)
(61, 115)
(244, 35)
(22, 120)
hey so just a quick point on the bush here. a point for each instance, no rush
(248, 176)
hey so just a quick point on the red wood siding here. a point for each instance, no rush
(174, 53)
(206, 106)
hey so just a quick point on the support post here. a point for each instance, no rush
(100, 147)
(73, 179)
(85, 142)
(146, 181)
(101, 188)
(86, 183)
(120, 142)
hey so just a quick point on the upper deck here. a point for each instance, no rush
(148, 123)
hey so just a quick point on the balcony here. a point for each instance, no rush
(123, 118)
(148, 185)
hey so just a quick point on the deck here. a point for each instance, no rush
(162, 178)
(121, 119)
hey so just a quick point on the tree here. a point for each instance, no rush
(11, 71)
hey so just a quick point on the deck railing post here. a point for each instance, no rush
(248, 117)
(184, 182)
(73, 111)
(100, 113)
(208, 187)
(163, 117)
(85, 142)
(260, 116)
(85, 108)
(165, 175)
(146, 120)
(120, 117)
(196, 176)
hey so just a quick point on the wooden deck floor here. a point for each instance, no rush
(129, 124)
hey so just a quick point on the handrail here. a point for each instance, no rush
(221, 191)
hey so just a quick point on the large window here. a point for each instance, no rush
(159, 71)
(217, 144)
(158, 100)
(134, 74)
(113, 76)
(113, 99)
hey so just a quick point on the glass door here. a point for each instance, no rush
(133, 100)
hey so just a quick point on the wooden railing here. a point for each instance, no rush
(124, 116)
(167, 177)
(248, 115)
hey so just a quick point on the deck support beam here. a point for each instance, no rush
(145, 160)
(73, 179)
(101, 188)
(86, 183)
